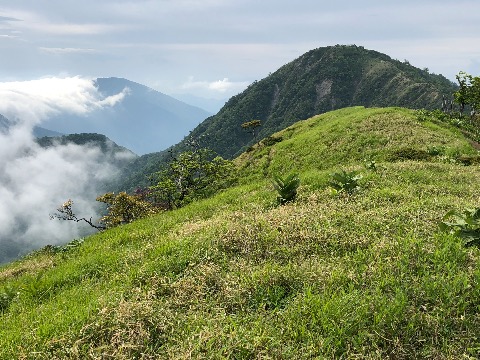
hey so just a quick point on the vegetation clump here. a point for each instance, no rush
(271, 140)
(123, 208)
(192, 175)
(464, 224)
(345, 181)
(468, 94)
(286, 188)
(409, 153)
(251, 126)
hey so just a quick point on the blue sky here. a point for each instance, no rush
(215, 48)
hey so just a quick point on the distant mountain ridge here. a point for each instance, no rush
(321, 80)
(89, 139)
(4, 123)
(144, 121)
(38, 131)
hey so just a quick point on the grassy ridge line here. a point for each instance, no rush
(349, 136)
(233, 276)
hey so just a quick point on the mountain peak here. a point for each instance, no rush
(319, 81)
(322, 80)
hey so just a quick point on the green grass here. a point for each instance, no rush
(366, 275)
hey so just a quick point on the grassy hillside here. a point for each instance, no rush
(366, 275)
(321, 80)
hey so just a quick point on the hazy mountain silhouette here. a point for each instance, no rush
(144, 121)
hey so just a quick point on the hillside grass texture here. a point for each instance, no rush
(362, 276)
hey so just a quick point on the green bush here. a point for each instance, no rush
(124, 208)
(408, 153)
(286, 188)
(271, 140)
(7, 295)
(436, 150)
(468, 160)
(465, 224)
(192, 175)
(370, 164)
(344, 181)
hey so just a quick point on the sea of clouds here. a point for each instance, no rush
(35, 181)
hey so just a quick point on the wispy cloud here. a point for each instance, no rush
(35, 100)
(222, 86)
(68, 28)
(8, 18)
(35, 181)
(36, 23)
(67, 50)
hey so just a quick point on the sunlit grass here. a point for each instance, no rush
(361, 275)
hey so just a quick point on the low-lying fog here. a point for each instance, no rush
(35, 181)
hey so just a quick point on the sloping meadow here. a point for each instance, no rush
(365, 274)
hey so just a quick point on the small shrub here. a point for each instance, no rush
(436, 150)
(344, 181)
(468, 160)
(286, 188)
(271, 140)
(192, 175)
(123, 208)
(465, 224)
(370, 164)
(7, 295)
(427, 115)
(65, 212)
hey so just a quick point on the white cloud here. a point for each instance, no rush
(115, 99)
(68, 50)
(64, 29)
(222, 86)
(8, 36)
(35, 100)
(226, 85)
(35, 181)
(34, 23)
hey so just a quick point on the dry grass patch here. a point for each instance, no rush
(28, 266)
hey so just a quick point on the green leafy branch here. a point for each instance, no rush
(465, 224)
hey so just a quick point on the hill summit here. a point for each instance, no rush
(321, 80)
